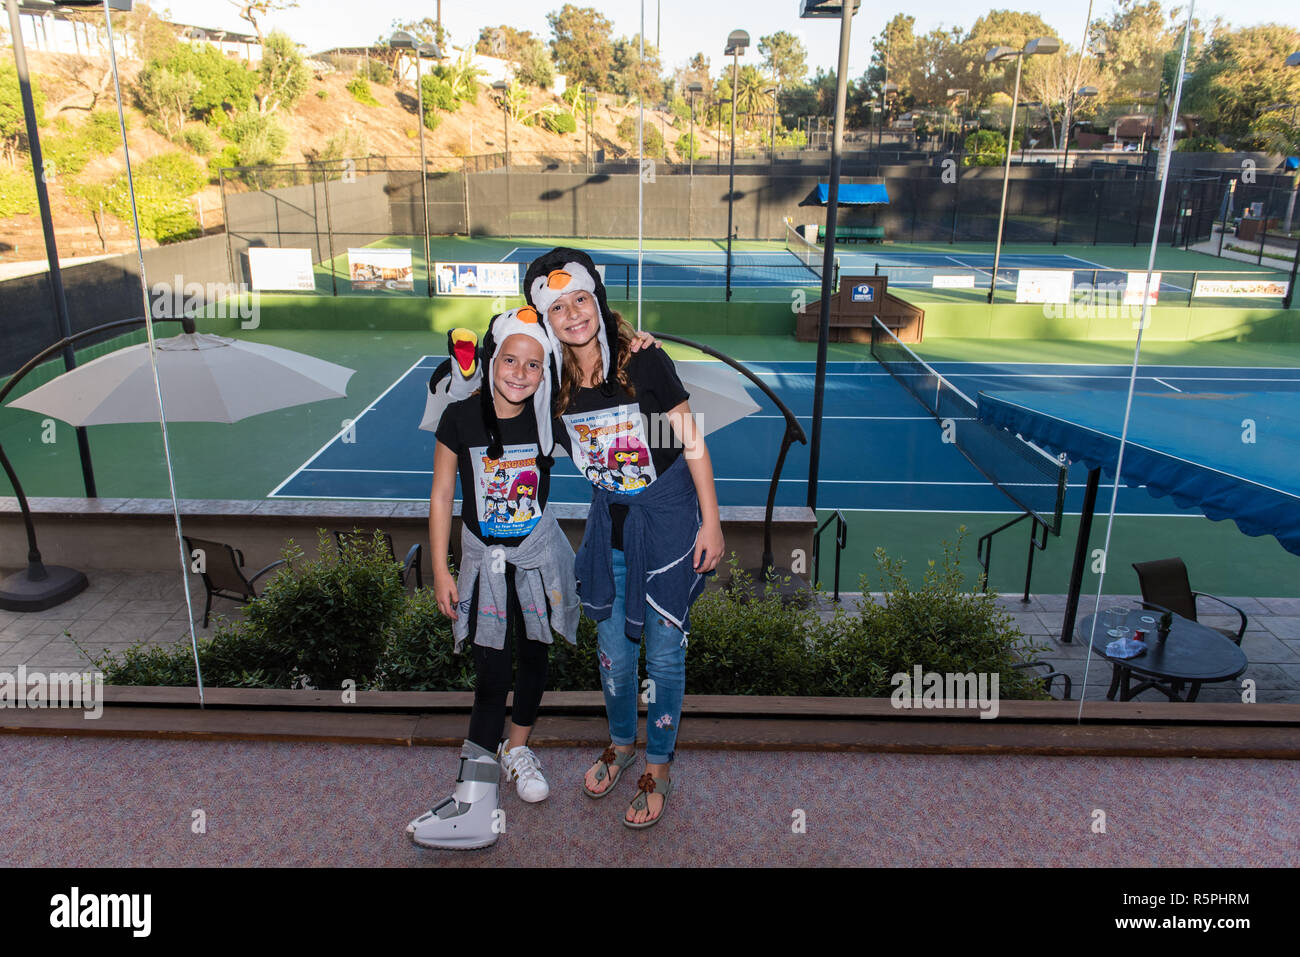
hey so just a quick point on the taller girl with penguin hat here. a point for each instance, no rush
(653, 532)
(516, 582)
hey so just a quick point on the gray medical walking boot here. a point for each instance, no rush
(465, 820)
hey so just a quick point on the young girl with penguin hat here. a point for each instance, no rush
(496, 604)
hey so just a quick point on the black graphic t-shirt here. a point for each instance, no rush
(623, 443)
(501, 499)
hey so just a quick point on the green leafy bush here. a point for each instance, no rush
(337, 618)
(328, 617)
(223, 82)
(71, 151)
(360, 91)
(323, 94)
(438, 94)
(13, 124)
(686, 145)
(985, 148)
(652, 140)
(261, 139)
(559, 121)
(229, 156)
(380, 72)
(199, 139)
(177, 169)
(17, 191)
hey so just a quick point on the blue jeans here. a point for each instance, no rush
(665, 654)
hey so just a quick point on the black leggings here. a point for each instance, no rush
(488, 720)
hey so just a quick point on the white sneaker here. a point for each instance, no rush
(525, 770)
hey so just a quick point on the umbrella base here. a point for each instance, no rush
(794, 592)
(40, 587)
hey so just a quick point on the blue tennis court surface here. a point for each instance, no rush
(708, 267)
(881, 450)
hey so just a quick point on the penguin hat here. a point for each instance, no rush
(562, 271)
(523, 321)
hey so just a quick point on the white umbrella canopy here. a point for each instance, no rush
(718, 397)
(204, 378)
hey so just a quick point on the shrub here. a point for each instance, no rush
(652, 139)
(229, 156)
(223, 82)
(418, 653)
(559, 121)
(438, 94)
(17, 191)
(380, 72)
(344, 144)
(199, 139)
(261, 139)
(71, 151)
(323, 94)
(684, 145)
(985, 148)
(328, 618)
(360, 90)
(176, 169)
(535, 65)
(13, 124)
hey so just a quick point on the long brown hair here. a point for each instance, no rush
(571, 373)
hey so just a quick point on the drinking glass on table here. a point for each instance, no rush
(1117, 616)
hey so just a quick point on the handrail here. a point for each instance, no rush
(984, 549)
(841, 540)
(793, 431)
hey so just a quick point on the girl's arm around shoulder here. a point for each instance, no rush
(709, 543)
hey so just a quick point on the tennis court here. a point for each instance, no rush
(882, 450)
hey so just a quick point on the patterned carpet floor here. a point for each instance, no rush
(124, 802)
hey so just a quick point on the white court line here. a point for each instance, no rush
(334, 438)
(1166, 384)
(506, 258)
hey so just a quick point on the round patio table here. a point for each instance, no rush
(1193, 654)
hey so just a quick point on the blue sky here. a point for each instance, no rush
(687, 26)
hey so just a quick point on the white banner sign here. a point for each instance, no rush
(381, 269)
(477, 279)
(280, 269)
(1044, 285)
(1137, 281)
(1247, 288)
(953, 282)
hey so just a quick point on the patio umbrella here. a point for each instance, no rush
(204, 378)
(718, 398)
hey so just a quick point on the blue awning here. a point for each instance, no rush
(855, 194)
(1232, 456)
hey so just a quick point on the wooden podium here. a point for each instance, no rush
(852, 308)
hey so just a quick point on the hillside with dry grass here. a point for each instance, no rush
(72, 85)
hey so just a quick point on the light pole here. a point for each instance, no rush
(1028, 104)
(503, 91)
(402, 40)
(1041, 45)
(737, 41)
(880, 134)
(589, 99)
(772, 91)
(695, 86)
(844, 10)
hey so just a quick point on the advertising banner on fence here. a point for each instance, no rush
(1137, 281)
(1044, 285)
(477, 279)
(953, 282)
(380, 269)
(1247, 288)
(280, 269)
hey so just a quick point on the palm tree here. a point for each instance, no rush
(752, 97)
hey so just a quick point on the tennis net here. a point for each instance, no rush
(1027, 475)
(808, 253)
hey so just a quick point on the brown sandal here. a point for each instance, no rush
(614, 765)
(648, 784)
